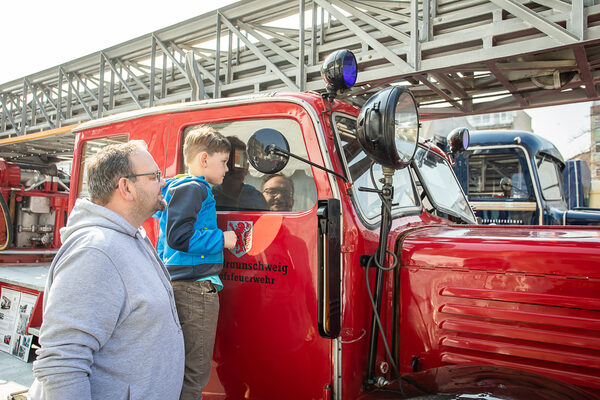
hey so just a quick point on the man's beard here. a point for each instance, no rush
(161, 205)
(143, 210)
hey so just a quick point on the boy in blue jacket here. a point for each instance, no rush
(191, 247)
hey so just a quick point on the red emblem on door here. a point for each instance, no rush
(243, 231)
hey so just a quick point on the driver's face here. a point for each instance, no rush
(278, 194)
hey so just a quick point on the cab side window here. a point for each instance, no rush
(499, 175)
(89, 149)
(246, 189)
(549, 172)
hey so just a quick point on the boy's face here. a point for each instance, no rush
(215, 167)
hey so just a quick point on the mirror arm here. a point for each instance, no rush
(272, 149)
(386, 194)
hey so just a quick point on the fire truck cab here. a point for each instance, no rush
(360, 271)
(516, 178)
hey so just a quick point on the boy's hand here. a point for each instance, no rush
(229, 239)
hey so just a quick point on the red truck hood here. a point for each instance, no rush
(535, 250)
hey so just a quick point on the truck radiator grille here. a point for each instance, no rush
(558, 336)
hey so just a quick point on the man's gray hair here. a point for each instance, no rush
(108, 166)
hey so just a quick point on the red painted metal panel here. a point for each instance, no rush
(534, 316)
(523, 298)
(583, 338)
(535, 351)
(267, 334)
(580, 377)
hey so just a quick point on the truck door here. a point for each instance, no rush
(268, 339)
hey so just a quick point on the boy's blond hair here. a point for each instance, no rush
(204, 138)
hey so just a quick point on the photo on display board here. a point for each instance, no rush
(16, 309)
(5, 303)
(23, 319)
(9, 301)
(15, 346)
(21, 347)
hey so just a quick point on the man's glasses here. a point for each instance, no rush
(157, 175)
(281, 192)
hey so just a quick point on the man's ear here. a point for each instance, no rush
(124, 189)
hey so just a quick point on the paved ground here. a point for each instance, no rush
(15, 375)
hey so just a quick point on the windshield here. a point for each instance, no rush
(441, 185)
(550, 178)
(365, 173)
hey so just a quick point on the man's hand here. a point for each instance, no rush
(229, 239)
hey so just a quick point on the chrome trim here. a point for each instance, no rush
(500, 205)
(30, 252)
(533, 178)
(337, 368)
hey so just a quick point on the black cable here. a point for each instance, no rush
(388, 209)
(385, 343)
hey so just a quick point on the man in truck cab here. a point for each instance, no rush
(278, 190)
(110, 323)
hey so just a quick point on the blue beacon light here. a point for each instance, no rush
(349, 69)
(466, 141)
(339, 71)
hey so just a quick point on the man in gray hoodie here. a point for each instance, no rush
(110, 327)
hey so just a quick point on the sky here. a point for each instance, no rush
(37, 35)
(567, 126)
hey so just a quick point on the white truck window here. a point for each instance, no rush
(361, 168)
(246, 189)
(550, 178)
(499, 175)
(90, 148)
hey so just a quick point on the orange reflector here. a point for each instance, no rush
(264, 232)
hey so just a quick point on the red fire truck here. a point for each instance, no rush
(363, 273)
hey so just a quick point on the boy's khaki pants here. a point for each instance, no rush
(198, 309)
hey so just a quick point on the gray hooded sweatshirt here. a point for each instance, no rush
(110, 327)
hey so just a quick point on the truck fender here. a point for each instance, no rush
(479, 382)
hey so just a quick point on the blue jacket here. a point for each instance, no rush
(189, 242)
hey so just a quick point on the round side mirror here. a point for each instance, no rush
(458, 140)
(262, 152)
(388, 127)
(339, 70)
